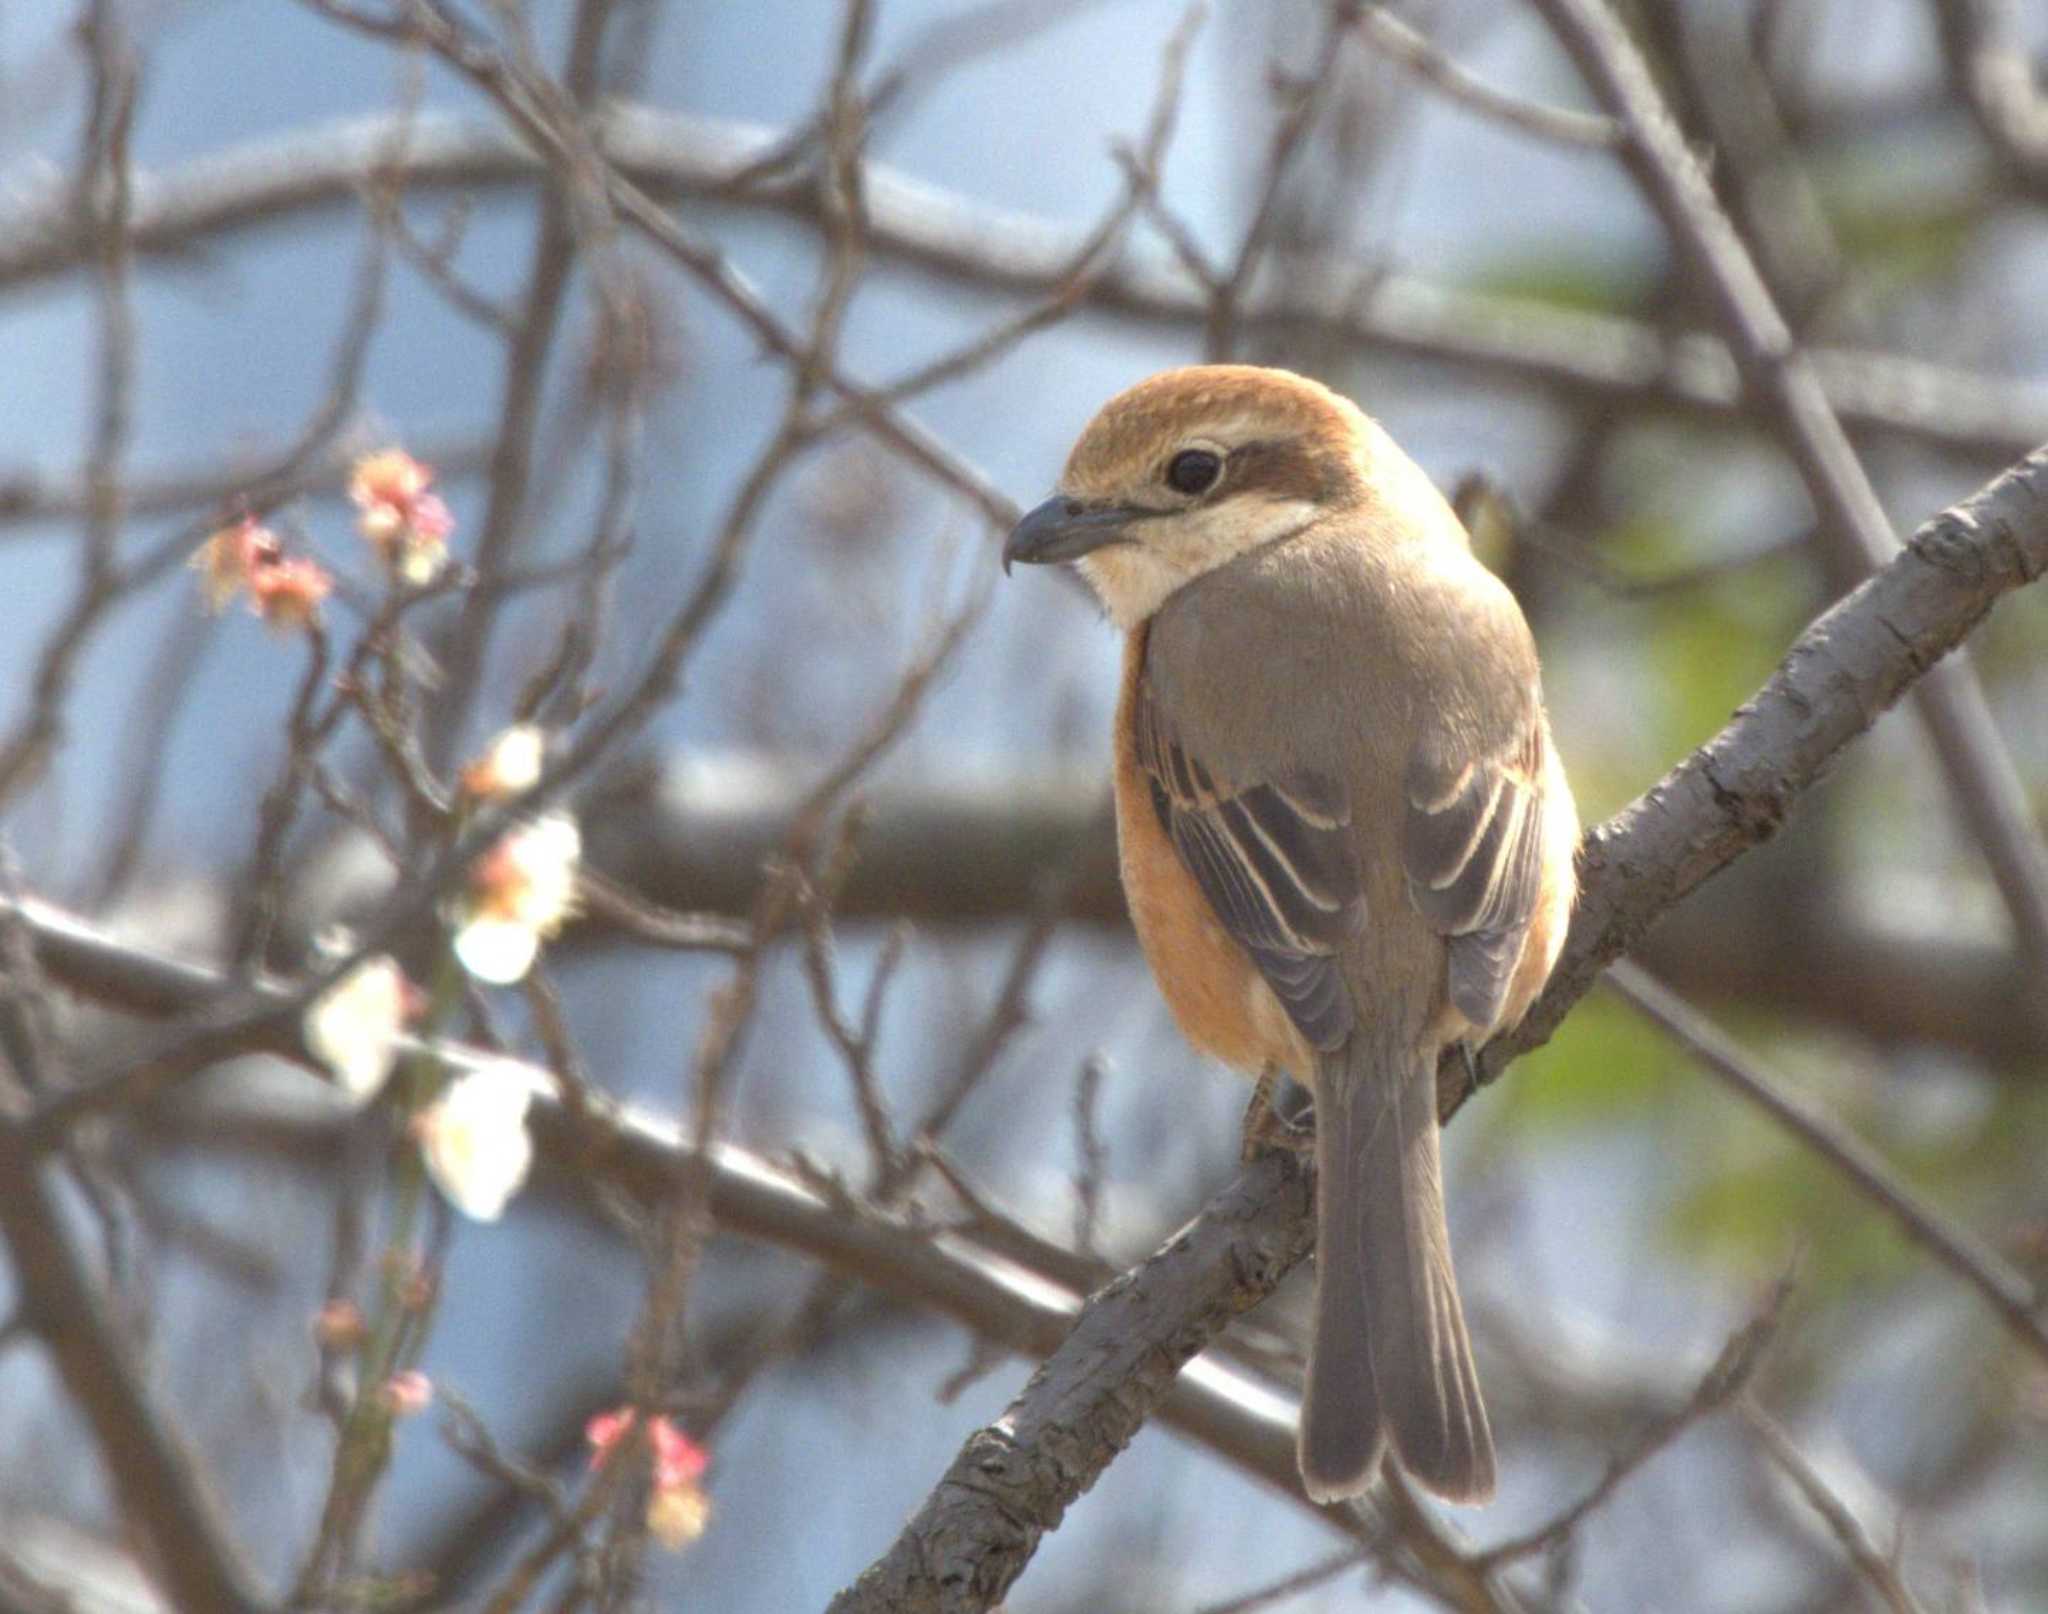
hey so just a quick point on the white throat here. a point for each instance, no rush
(1133, 580)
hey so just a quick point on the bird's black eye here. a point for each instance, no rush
(1193, 471)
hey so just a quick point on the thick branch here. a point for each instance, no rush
(1013, 1480)
(154, 1477)
(176, 210)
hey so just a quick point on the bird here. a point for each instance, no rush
(1345, 836)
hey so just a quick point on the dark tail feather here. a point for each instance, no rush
(1390, 1354)
(1342, 1432)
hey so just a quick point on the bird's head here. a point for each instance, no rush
(1194, 467)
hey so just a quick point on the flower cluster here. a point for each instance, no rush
(677, 1508)
(519, 893)
(472, 1134)
(286, 591)
(472, 1137)
(405, 522)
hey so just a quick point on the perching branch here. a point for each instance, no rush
(1847, 669)
(975, 1532)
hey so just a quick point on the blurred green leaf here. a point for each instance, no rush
(1603, 1065)
(1750, 1215)
(1591, 285)
(1713, 645)
(1904, 243)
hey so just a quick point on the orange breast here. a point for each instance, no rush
(1218, 997)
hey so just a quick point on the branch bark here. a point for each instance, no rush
(1013, 1480)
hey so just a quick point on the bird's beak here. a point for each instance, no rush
(1064, 529)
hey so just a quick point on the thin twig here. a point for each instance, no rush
(1985, 43)
(1301, 1580)
(1727, 1377)
(1302, 104)
(1873, 1566)
(1091, 1156)
(573, 212)
(1410, 47)
(2015, 1300)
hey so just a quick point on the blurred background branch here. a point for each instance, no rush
(620, 402)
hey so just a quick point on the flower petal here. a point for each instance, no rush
(500, 951)
(353, 1027)
(473, 1139)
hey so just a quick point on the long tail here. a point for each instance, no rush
(1390, 1359)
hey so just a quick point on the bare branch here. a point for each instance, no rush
(156, 1480)
(1412, 49)
(1985, 43)
(1014, 1480)
(2009, 1294)
(570, 211)
(324, 167)
(1279, 1591)
(211, 481)
(1858, 534)
(1301, 103)
(1726, 1378)
(1872, 1565)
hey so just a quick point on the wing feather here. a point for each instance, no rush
(1472, 849)
(1275, 860)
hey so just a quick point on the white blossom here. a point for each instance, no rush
(500, 951)
(519, 893)
(353, 1028)
(510, 764)
(474, 1142)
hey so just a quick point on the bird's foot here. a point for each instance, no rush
(1267, 1128)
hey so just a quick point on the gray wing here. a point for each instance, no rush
(1275, 859)
(1472, 848)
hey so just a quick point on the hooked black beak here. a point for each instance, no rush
(1064, 529)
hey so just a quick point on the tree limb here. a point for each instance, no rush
(1856, 533)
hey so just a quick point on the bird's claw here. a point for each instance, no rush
(1266, 1129)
